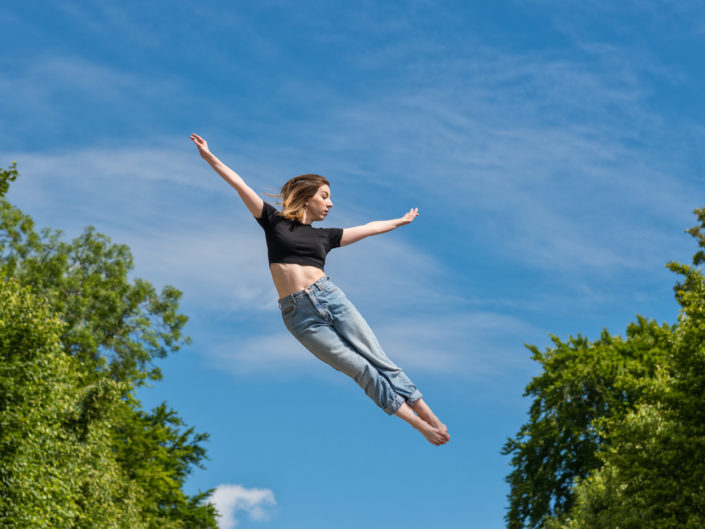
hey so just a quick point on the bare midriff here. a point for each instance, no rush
(289, 278)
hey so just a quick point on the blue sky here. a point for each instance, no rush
(554, 150)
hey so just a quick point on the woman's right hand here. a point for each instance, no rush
(253, 202)
(202, 146)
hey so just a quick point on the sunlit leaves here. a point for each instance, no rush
(616, 436)
(77, 335)
(113, 324)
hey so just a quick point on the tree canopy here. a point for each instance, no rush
(616, 430)
(77, 337)
(113, 325)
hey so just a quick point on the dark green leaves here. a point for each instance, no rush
(113, 324)
(581, 382)
(7, 176)
(616, 431)
(77, 336)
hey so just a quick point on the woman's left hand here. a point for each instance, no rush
(411, 215)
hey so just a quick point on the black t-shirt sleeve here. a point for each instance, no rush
(334, 237)
(268, 213)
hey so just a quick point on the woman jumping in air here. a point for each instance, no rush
(314, 310)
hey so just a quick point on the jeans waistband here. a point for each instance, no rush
(301, 293)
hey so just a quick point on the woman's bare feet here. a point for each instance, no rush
(434, 434)
(422, 410)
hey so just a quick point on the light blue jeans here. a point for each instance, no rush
(328, 325)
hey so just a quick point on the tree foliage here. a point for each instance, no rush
(640, 462)
(77, 336)
(7, 176)
(113, 325)
(581, 382)
(57, 467)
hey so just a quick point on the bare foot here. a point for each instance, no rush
(435, 436)
(440, 427)
(424, 412)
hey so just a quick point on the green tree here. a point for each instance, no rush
(7, 176)
(581, 382)
(111, 331)
(652, 473)
(57, 466)
(627, 448)
(113, 325)
(158, 453)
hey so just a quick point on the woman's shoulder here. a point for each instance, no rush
(270, 209)
(269, 214)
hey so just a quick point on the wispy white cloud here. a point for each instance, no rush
(545, 160)
(188, 228)
(544, 152)
(272, 352)
(576, 17)
(60, 95)
(533, 145)
(470, 345)
(109, 19)
(233, 501)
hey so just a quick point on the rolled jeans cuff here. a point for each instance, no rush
(399, 400)
(414, 398)
(394, 406)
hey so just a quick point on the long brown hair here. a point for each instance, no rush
(296, 192)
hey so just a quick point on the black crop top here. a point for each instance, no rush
(290, 241)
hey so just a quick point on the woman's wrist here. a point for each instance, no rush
(211, 158)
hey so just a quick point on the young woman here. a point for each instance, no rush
(314, 310)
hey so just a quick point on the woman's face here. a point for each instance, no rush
(319, 204)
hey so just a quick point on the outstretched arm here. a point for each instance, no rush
(251, 199)
(351, 235)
